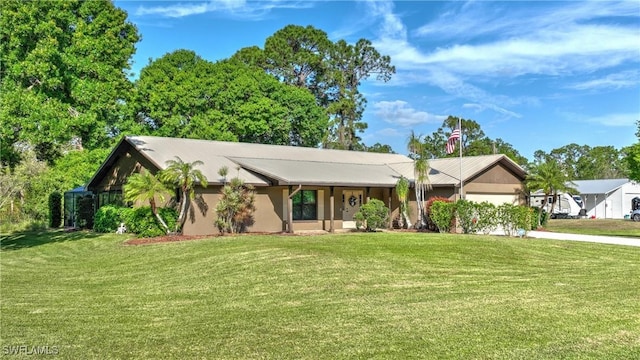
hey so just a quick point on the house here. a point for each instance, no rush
(330, 185)
(607, 198)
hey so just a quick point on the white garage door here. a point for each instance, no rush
(496, 199)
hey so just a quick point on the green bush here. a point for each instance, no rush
(427, 210)
(55, 209)
(372, 215)
(487, 220)
(467, 214)
(534, 218)
(143, 223)
(442, 215)
(513, 218)
(108, 218)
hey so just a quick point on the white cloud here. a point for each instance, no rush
(240, 8)
(401, 114)
(614, 120)
(619, 80)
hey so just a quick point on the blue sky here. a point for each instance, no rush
(539, 75)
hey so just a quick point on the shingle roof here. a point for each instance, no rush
(264, 165)
(604, 186)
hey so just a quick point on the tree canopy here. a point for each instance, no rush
(332, 72)
(183, 95)
(474, 141)
(63, 66)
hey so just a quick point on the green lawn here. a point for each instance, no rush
(608, 227)
(381, 295)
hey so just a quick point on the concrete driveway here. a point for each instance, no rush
(615, 240)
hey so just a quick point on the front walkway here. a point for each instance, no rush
(615, 240)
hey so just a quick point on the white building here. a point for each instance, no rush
(609, 198)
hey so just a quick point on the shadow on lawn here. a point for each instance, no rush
(27, 239)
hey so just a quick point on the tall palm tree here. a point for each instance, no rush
(146, 187)
(548, 177)
(402, 190)
(184, 176)
(418, 152)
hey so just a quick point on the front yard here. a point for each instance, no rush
(374, 295)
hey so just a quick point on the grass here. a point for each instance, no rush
(380, 295)
(608, 227)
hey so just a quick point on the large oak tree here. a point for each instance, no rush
(63, 66)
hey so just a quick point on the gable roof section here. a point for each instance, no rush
(263, 165)
(603, 186)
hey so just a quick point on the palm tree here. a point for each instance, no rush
(184, 176)
(548, 177)
(418, 152)
(402, 189)
(146, 187)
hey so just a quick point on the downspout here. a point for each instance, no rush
(290, 208)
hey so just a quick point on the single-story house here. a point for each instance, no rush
(332, 183)
(607, 198)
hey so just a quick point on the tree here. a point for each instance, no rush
(402, 190)
(236, 206)
(632, 157)
(474, 141)
(582, 162)
(143, 187)
(420, 172)
(380, 148)
(183, 95)
(64, 79)
(185, 177)
(305, 57)
(550, 179)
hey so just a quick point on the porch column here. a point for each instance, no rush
(390, 211)
(331, 210)
(290, 207)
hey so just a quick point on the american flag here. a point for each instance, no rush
(451, 143)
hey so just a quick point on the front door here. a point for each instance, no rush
(351, 201)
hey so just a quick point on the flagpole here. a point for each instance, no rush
(460, 140)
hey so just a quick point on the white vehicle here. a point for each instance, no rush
(567, 206)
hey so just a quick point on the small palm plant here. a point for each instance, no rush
(236, 206)
(185, 176)
(145, 187)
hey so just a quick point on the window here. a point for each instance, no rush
(305, 205)
(110, 197)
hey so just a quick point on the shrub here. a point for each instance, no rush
(85, 212)
(534, 218)
(430, 224)
(108, 218)
(55, 209)
(442, 215)
(467, 214)
(235, 207)
(487, 220)
(514, 217)
(372, 215)
(143, 223)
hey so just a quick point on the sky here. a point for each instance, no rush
(537, 74)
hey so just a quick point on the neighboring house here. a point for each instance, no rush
(608, 198)
(328, 185)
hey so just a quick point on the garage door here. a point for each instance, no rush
(496, 199)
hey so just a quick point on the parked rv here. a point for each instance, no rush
(567, 206)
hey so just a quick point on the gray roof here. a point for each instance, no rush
(604, 186)
(264, 165)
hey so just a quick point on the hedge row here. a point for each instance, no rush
(483, 217)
